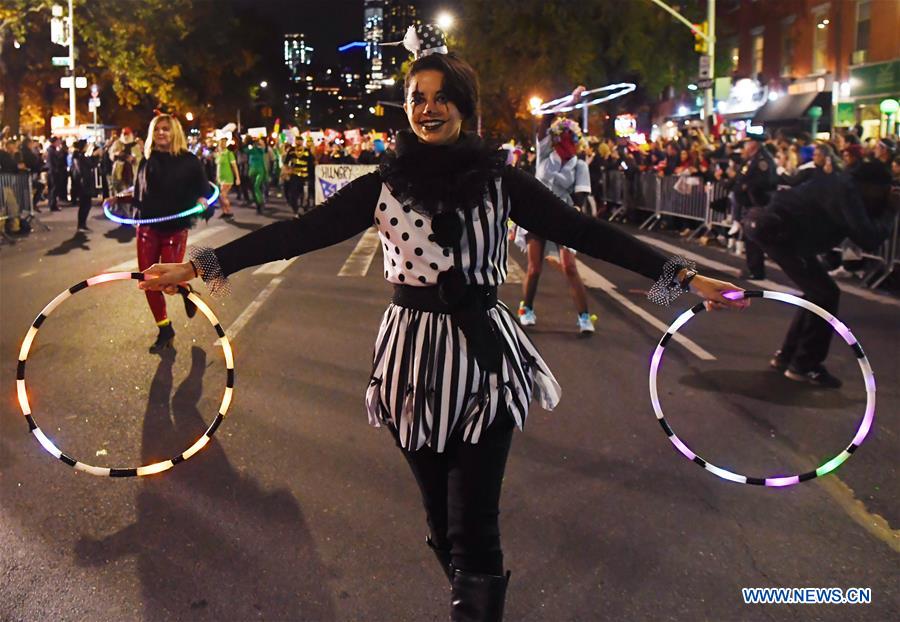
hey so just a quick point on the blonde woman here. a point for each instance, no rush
(227, 175)
(170, 180)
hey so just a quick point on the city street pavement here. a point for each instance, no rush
(298, 510)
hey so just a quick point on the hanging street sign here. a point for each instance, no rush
(66, 82)
(60, 61)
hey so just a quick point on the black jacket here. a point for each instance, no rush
(83, 174)
(167, 184)
(817, 215)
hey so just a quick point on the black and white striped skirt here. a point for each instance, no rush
(428, 386)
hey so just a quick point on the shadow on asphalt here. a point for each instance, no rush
(79, 241)
(210, 543)
(767, 386)
(122, 234)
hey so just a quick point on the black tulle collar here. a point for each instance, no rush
(441, 178)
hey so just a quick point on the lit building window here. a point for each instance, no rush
(758, 47)
(820, 39)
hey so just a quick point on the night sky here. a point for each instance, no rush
(327, 24)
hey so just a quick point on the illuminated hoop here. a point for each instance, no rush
(197, 209)
(556, 106)
(148, 469)
(781, 480)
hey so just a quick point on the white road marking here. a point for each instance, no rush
(765, 283)
(360, 259)
(275, 267)
(232, 331)
(595, 280)
(132, 266)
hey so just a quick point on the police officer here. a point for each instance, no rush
(57, 172)
(812, 218)
(752, 186)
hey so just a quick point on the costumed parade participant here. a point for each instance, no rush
(568, 178)
(169, 180)
(227, 175)
(453, 372)
(800, 223)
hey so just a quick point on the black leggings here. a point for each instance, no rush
(461, 493)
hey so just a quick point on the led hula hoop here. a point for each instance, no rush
(780, 480)
(197, 209)
(148, 469)
(558, 105)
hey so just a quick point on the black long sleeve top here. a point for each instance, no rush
(352, 210)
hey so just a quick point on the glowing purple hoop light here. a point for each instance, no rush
(199, 208)
(778, 481)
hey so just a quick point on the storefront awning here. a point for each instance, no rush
(787, 108)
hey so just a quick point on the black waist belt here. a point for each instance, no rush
(467, 310)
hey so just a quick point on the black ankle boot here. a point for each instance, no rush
(164, 339)
(443, 557)
(477, 597)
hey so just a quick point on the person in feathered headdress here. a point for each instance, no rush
(567, 177)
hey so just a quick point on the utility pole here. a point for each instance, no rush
(72, 122)
(709, 37)
(711, 41)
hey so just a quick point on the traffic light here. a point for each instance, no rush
(700, 31)
(379, 110)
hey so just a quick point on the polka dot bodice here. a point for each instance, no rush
(413, 257)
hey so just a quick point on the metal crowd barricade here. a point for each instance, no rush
(681, 196)
(889, 253)
(15, 200)
(614, 193)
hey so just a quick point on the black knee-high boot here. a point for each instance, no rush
(477, 597)
(443, 557)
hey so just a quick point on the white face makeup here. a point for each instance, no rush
(432, 116)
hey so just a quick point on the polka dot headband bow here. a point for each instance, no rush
(429, 39)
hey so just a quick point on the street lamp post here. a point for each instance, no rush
(709, 37)
(534, 103)
(71, 65)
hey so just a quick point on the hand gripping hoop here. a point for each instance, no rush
(780, 480)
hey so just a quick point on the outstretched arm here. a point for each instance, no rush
(539, 211)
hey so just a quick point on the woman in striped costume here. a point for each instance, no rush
(453, 373)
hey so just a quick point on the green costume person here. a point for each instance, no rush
(256, 160)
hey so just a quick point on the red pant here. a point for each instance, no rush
(159, 247)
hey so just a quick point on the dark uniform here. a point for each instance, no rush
(57, 174)
(83, 184)
(753, 187)
(797, 225)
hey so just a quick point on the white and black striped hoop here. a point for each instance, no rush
(779, 480)
(147, 469)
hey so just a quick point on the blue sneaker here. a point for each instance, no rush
(526, 315)
(586, 322)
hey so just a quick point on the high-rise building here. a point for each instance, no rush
(298, 60)
(373, 35)
(399, 15)
(385, 21)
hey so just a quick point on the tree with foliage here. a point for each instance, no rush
(144, 52)
(538, 48)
